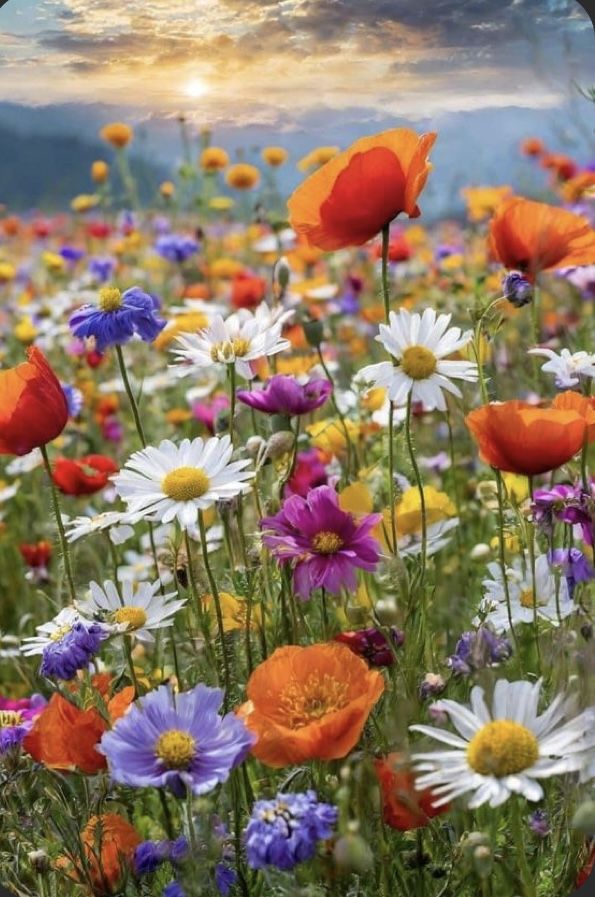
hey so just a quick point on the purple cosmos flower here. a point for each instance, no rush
(372, 645)
(208, 412)
(118, 317)
(323, 543)
(285, 831)
(477, 650)
(517, 289)
(552, 504)
(176, 741)
(16, 719)
(64, 657)
(284, 395)
(309, 472)
(102, 268)
(575, 566)
(539, 823)
(176, 247)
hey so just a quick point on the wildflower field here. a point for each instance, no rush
(297, 531)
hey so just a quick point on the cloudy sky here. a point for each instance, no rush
(270, 61)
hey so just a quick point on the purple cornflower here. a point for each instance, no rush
(372, 645)
(574, 565)
(177, 741)
(477, 650)
(284, 395)
(16, 719)
(539, 823)
(285, 831)
(102, 268)
(117, 317)
(73, 651)
(176, 247)
(225, 878)
(517, 289)
(323, 543)
(149, 855)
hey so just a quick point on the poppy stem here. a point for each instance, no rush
(218, 611)
(502, 559)
(420, 488)
(60, 525)
(385, 290)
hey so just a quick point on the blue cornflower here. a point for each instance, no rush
(102, 268)
(174, 889)
(225, 878)
(176, 741)
(149, 855)
(178, 849)
(74, 399)
(72, 651)
(118, 317)
(517, 289)
(285, 831)
(72, 254)
(176, 247)
(477, 650)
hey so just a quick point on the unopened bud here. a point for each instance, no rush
(280, 444)
(584, 818)
(471, 841)
(386, 612)
(480, 552)
(314, 332)
(432, 684)
(517, 289)
(353, 855)
(40, 861)
(254, 446)
(483, 861)
(282, 273)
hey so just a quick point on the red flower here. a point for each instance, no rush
(399, 249)
(37, 554)
(404, 808)
(247, 291)
(84, 476)
(587, 870)
(98, 229)
(33, 408)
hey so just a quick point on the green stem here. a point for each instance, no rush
(232, 399)
(385, 289)
(420, 487)
(517, 829)
(338, 412)
(128, 652)
(391, 476)
(218, 611)
(60, 525)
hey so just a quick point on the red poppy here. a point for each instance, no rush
(563, 167)
(98, 229)
(33, 408)
(532, 236)
(247, 291)
(399, 249)
(403, 807)
(83, 476)
(350, 199)
(532, 146)
(37, 554)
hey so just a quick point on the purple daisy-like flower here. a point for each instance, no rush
(117, 317)
(323, 543)
(284, 395)
(574, 565)
(285, 831)
(73, 651)
(16, 719)
(176, 247)
(177, 741)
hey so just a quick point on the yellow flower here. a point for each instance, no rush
(452, 262)
(84, 202)
(317, 157)
(189, 322)
(483, 201)
(25, 330)
(225, 268)
(373, 399)
(213, 158)
(221, 203)
(167, 189)
(178, 416)
(517, 487)
(329, 435)
(53, 262)
(417, 235)
(315, 288)
(274, 155)
(117, 134)
(438, 507)
(296, 364)
(234, 611)
(8, 272)
(356, 499)
(243, 176)
(512, 543)
(99, 171)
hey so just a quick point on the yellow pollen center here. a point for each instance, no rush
(502, 748)
(418, 362)
(304, 702)
(229, 350)
(175, 748)
(326, 542)
(10, 718)
(110, 299)
(60, 632)
(135, 617)
(185, 483)
(527, 598)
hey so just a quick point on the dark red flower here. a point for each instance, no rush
(37, 554)
(84, 476)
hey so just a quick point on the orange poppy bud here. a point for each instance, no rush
(243, 176)
(532, 146)
(99, 171)
(109, 842)
(117, 134)
(33, 408)
(404, 808)
(351, 198)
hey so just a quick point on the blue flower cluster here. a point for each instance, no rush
(477, 650)
(176, 247)
(63, 658)
(285, 831)
(118, 317)
(149, 855)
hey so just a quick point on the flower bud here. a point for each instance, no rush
(386, 612)
(480, 552)
(254, 446)
(353, 855)
(472, 840)
(483, 861)
(281, 273)
(584, 818)
(432, 684)
(40, 862)
(314, 332)
(517, 289)
(280, 444)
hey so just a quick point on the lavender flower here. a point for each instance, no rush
(179, 744)
(539, 823)
(118, 317)
(174, 889)
(285, 831)
(323, 543)
(102, 268)
(225, 878)
(574, 565)
(284, 395)
(64, 657)
(477, 650)
(176, 247)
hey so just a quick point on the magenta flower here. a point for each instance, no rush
(323, 544)
(207, 412)
(284, 395)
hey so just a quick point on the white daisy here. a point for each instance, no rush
(550, 600)
(115, 522)
(567, 367)
(420, 344)
(437, 536)
(243, 337)
(49, 633)
(177, 481)
(135, 608)
(504, 751)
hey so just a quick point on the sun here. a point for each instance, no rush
(195, 88)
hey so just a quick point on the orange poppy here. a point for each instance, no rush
(117, 134)
(532, 236)
(403, 807)
(109, 842)
(309, 703)
(351, 198)
(584, 405)
(33, 408)
(532, 146)
(521, 438)
(65, 737)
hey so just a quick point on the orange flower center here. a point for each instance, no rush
(326, 542)
(502, 748)
(110, 299)
(175, 748)
(185, 483)
(305, 702)
(10, 718)
(418, 362)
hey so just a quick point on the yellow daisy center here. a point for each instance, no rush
(418, 362)
(502, 748)
(10, 718)
(175, 748)
(326, 542)
(185, 483)
(227, 350)
(110, 299)
(304, 702)
(135, 617)
(60, 632)
(527, 598)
